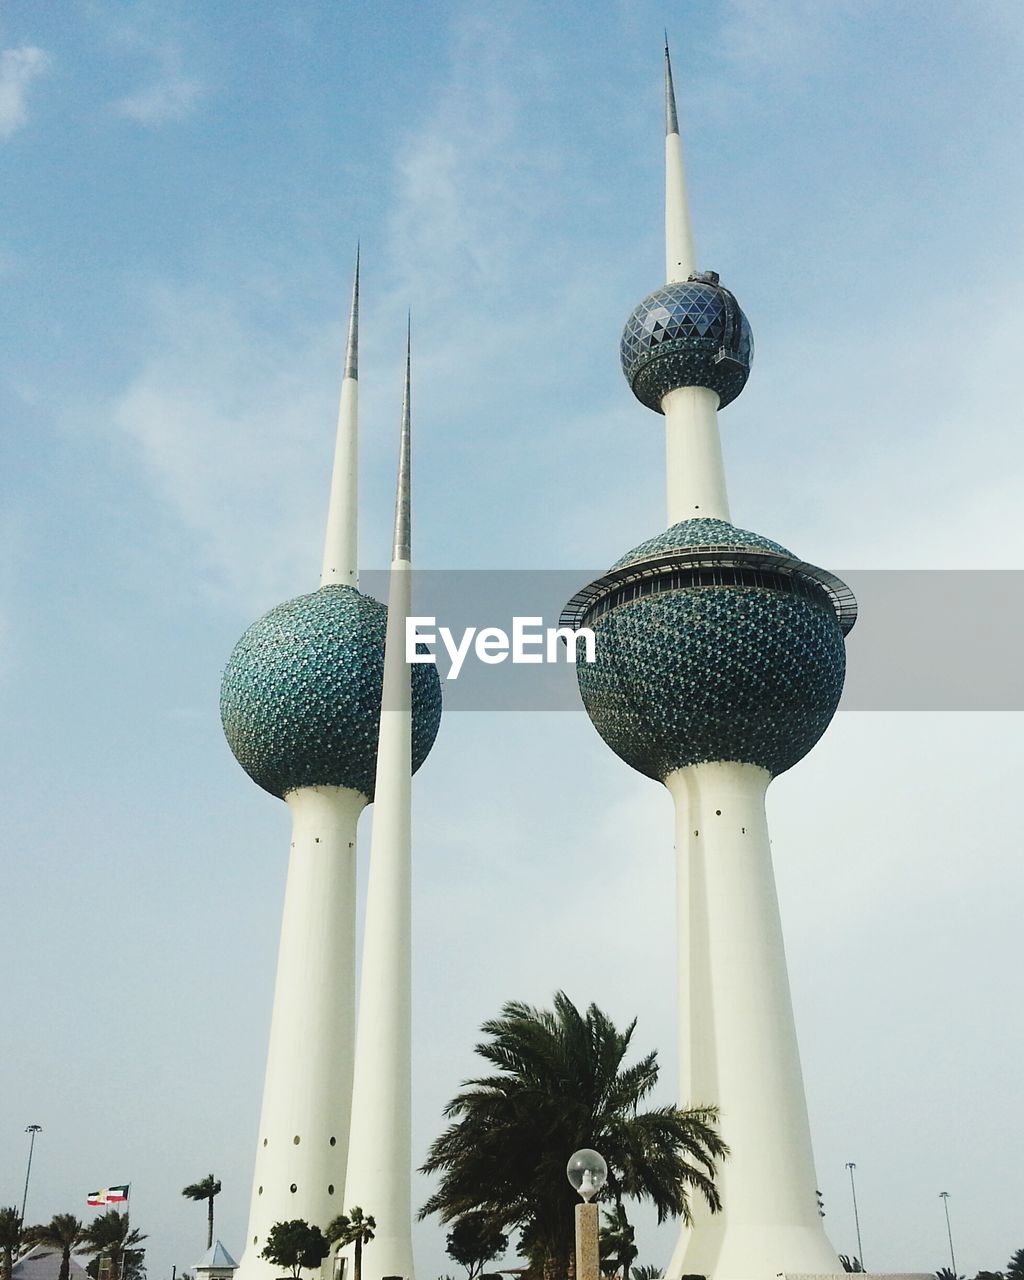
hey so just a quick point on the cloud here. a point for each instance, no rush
(172, 97)
(18, 68)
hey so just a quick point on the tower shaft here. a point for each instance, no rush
(380, 1155)
(380, 1152)
(737, 1036)
(304, 1122)
(695, 475)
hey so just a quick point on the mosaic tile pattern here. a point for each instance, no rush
(300, 698)
(714, 673)
(689, 534)
(672, 339)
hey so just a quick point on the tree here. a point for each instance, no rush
(10, 1238)
(353, 1228)
(989, 1275)
(110, 1236)
(1015, 1267)
(561, 1084)
(944, 1273)
(617, 1243)
(63, 1234)
(851, 1264)
(205, 1190)
(473, 1242)
(295, 1244)
(646, 1273)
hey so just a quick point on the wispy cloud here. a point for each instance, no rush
(168, 89)
(171, 97)
(18, 68)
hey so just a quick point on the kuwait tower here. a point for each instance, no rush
(719, 663)
(301, 708)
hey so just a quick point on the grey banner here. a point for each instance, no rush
(938, 640)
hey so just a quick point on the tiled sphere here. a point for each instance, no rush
(688, 535)
(713, 672)
(673, 339)
(300, 699)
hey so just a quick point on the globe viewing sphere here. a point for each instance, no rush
(300, 698)
(713, 644)
(688, 334)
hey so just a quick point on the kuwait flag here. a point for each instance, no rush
(109, 1195)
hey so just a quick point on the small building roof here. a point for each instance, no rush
(216, 1258)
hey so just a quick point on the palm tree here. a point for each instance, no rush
(10, 1238)
(1015, 1267)
(561, 1085)
(205, 1190)
(352, 1228)
(110, 1235)
(63, 1234)
(618, 1243)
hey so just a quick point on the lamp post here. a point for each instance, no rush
(944, 1197)
(587, 1172)
(32, 1129)
(856, 1217)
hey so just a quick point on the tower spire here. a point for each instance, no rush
(340, 566)
(380, 1155)
(680, 260)
(402, 544)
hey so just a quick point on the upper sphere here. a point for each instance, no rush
(689, 334)
(300, 698)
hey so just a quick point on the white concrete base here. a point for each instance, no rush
(738, 1047)
(302, 1150)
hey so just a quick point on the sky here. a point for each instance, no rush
(182, 190)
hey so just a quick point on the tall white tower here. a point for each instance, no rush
(301, 708)
(720, 662)
(380, 1154)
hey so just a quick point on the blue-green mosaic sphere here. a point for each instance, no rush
(691, 334)
(714, 670)
(691, 535)
(300, 699)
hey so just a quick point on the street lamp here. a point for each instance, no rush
(856, 1217)
(587, 1172)
(944, 1197)
(33, 1129)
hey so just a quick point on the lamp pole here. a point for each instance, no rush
(587, 1172)
(944, 1197)
(856, 1216)
(32, 1129)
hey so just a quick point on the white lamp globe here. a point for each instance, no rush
(587, 1171)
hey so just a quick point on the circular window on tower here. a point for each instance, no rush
(334, 1142)
(294, 1187)
(330, 1188)
(296, 1140)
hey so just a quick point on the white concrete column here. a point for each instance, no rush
(380, 1152)
(737, 1036)
(693, 456)
(302, 1146)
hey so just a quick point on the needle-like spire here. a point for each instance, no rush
(340, 566)
(402, 546)
(671, 119)
(680, 260)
